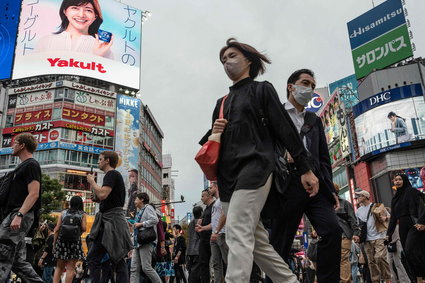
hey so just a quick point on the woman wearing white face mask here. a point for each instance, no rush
(247, 161)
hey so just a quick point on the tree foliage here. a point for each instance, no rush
(52, 197)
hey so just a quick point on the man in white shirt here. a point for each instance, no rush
(296, 201)
(376, 251)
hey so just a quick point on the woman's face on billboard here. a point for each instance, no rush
(80, 18)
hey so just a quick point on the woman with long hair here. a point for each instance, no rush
(398, 126)
(67, 240)
(408, 211)
(78, 30)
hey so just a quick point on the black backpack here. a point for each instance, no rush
(5, 185)
(70, 230)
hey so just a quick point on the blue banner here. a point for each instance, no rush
(347, 90)
(127, 137)
(82, 148)
(10, 10)
(63, 145)
(388, 96)
(375, 22)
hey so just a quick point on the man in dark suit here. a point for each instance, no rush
(319, 208)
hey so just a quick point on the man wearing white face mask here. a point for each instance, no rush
(320, 208)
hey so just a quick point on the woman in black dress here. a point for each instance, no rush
(407, 208)
(69, 251)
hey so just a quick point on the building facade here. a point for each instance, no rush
(387, 146)
(74, 119)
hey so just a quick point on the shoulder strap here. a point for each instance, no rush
(64, 213)
(261, 113)
(309, 121)
(368, 213)
(221, 114)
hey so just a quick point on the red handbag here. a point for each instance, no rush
(207, 156)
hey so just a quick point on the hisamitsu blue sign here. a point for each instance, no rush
(388, 96)
(376, 22)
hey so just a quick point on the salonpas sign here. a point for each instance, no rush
(379, 38)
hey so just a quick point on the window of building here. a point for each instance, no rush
(9, 121)
(57, 113)
(109, 122)
(69, 94)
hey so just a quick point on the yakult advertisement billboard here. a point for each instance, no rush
(99, 39)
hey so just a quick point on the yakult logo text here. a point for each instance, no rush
(71, 63)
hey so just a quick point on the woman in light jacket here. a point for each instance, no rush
(142, 255)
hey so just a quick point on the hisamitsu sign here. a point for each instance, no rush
(376, 22)
(379, 38)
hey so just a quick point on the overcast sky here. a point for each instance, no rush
(182, 77)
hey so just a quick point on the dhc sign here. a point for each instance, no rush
(381, 97)
(388, 96)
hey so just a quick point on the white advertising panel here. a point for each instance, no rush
(34, 98)
(99, 39)
(95, 101)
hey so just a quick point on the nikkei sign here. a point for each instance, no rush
(379, 38)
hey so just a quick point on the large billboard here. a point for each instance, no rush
(99, 39)
(347, 90)
(379, 38)
(127, 135)
(8, 29)
(390, 119)
(335, 126)
(415, 175)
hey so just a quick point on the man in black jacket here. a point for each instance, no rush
(319, 208)
(179, 253)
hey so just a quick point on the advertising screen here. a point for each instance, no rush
(415, 175)
(99, 39)
(335, 126)
(127, 136)
(379, 38)
(390, 119)
(347, 90)
(8, 30)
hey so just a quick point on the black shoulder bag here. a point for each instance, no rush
(146, 235)
(363, 226)
(281, 173)
(5, 186)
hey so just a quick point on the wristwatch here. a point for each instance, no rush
(19, 214)
(215, 232)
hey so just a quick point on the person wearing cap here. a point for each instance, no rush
(374, 246)
(350, 232)
(47, 261)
